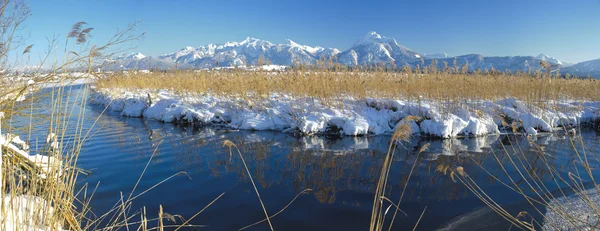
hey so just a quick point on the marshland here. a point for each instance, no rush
(94, 138)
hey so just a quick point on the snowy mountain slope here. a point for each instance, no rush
(137, 61)
(549, 59)
(248, 52)
(135, 56)
(476, 61)
(374, 48)
(583, 69)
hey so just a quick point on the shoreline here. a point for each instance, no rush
(346, 116)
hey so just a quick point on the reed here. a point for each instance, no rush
(453, 89)
(43, 191)
(542, 183)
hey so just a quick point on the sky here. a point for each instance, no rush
(567, 30)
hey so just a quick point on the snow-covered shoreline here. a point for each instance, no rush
(580, 209)
(349, 117)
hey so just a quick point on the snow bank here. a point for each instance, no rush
(26, 212)
(19, 147)
(355, 117)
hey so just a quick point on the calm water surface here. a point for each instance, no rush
(342, 173)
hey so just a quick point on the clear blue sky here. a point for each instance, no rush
(568, 30)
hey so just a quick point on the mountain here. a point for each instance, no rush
(370, 49)
(136, 56)
(435, 56)
(584, 69)
(248, 52)
(137, 61)
(549, 59)
(477, 61)
(374, 49)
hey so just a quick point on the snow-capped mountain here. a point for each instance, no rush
(371, 49)
(374, 49)
(549, 59)
(135, 56)
(248, 52)
(477, 61)
(591, 68)
(137, 61)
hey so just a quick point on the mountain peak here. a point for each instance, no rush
(292, 43)
(252, 41)
(309, 49)
(372, 34)
(549, 59)
(137, 56)
(370, 37)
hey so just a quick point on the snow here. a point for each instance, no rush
(26, 212)
(17, 146)
(583, 217)
(371, 37)
(549, 59)
(136, 56)
(373, 48)
(309, 49)
(271, 68)
(356, 117)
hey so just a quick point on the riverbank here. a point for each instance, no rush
(347, 116)
(441, 104)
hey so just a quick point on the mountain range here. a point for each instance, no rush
(371, 49)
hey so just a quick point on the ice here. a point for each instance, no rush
(580, 208)
(345, 116)
(531, 131)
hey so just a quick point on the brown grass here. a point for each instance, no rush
(329, 85)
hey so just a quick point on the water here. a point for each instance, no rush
(341, 172)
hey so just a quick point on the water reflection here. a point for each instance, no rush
(330, 165)
(342, 172)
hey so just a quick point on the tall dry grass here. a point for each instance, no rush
(326, 84)
(531, 172)
(45, 192)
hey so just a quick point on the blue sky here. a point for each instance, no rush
(568, 30)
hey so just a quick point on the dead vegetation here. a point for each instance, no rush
(328, 86)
